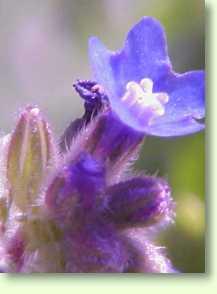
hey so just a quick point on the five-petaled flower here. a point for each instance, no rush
(142, 88)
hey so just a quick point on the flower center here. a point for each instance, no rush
(141, 100)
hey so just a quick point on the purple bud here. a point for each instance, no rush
(93, 95)
(142, 201)
(95, 100)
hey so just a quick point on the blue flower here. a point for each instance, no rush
(142, 88)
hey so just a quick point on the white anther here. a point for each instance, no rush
(142, 97)
(147, 85)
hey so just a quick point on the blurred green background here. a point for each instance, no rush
(43, 49)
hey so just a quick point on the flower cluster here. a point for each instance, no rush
(77, 206)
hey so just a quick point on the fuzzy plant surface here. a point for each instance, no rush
(76, 205)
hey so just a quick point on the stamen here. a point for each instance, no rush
(141, 100)
(147, 85)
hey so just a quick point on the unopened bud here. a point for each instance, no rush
(143, 201)
(30, 154)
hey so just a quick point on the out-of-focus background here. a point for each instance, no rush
(43, 49)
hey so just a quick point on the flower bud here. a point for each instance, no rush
(30, 155)
(94, 100)
(143, 201)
